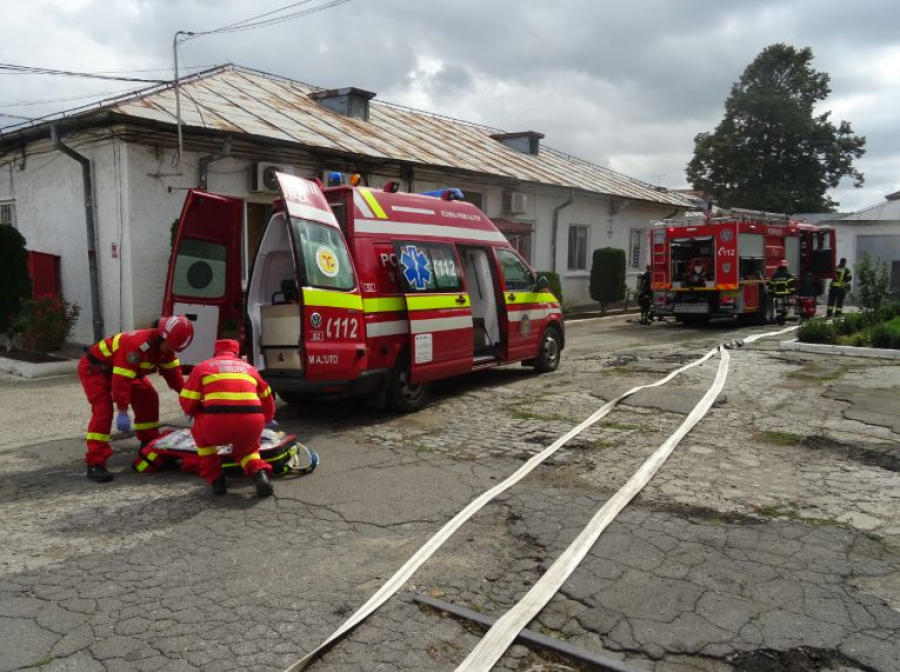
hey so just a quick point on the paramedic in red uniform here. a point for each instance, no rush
(230, 403)
(114, 371)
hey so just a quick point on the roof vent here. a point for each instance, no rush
(350, 101)
(893, 197)
(525, 142)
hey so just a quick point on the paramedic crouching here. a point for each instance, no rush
(230, 403)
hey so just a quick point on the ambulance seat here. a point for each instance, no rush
(288, 293)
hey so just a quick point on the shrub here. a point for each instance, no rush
(887, 334)
(817, 331)
(46, 322)
(555, 286)
(608, 276)
(850, 324)
(874, 281)
(15, 283)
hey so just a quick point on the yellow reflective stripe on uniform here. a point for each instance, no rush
(318, 297)
(170, 365)
(152, 456)
(95, 436)
(138, 426)
(267, 392)
(216, 377)
(147, 365)
(528, 297)
(127, 373)
(190, 394)
(142, 466)
(231, 396)
(373, 203)
(206, 452)
(391, 304)
(116, 342)
(435, 301)
(104, 349)
(247, 458)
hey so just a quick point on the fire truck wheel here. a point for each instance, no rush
(550, 351)
(402, 396)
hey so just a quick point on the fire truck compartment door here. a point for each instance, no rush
(204, 276)
(439, 310)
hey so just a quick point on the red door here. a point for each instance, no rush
(525, 306)
(204, 278)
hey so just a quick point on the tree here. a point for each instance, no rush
(607, 276)
(15, 282)
(770, 151)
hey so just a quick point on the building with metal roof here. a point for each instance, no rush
(124, 163)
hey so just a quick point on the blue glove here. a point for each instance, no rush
(123, 422)
(272, 424)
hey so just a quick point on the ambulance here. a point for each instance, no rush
(361, 292)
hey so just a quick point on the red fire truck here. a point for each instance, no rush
(357, 291)
(717, 265)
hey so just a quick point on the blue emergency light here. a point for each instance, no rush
(452, 194)
(335, 179)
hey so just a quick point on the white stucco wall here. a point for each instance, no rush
(846, 234)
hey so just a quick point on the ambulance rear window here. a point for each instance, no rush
(326, 263)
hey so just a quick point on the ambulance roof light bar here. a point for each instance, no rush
(451, 194)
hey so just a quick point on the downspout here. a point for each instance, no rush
(203, 178)
(93, 273)
(559, 208)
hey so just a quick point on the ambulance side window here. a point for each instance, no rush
(428, 267)
(516, 274)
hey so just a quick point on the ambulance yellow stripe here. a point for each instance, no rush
(322, 298)
(207, 451)
(529, 297)
(190, 394)
(216, 377)
(127, 373)
(387, 305)
(231, 396)
(437, 301)
(373, 203)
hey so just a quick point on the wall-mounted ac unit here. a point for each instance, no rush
(262, 177)
(515, 202)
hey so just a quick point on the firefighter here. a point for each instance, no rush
(230, 403)
(782, 280)
(838, 289)
(645, 296)
(114, 371)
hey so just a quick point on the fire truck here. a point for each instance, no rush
(362, 292)
(717, 265)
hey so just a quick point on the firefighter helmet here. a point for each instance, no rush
(782, 263)
(177, 331)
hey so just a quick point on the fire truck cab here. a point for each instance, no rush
(364, 292)
(718, 266)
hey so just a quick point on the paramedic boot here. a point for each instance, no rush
(220, 485)
(263, 484)
(99, 474)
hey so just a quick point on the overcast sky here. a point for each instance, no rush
(623, 84)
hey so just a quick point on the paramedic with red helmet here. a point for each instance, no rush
(114, 371)
(230, 404)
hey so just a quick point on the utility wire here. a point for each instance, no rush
(10, 69)
(247, 25)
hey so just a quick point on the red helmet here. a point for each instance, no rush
(177, 331)
(783, 262)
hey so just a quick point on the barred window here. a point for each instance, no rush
(635, 247)
(578, 244)
(8, 213)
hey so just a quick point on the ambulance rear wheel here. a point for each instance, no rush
(403, 396)
(550, 351)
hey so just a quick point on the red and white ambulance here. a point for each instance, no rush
(357, 291)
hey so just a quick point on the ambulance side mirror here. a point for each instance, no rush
(542, 282)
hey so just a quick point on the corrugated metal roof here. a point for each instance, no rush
(888, 211)
(241, 100)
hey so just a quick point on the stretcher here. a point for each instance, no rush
(176, 449)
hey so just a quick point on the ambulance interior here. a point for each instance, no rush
(480, 286)
(693, 262)
(273, 306)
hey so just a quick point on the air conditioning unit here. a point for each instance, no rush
(515, 202)
(262, 177)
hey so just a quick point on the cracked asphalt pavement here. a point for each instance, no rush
(770, 540)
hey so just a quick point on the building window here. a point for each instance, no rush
(473, 197)
(8, 213)
(578, 244)
(636, 247)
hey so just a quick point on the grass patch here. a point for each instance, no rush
(519, 414)
(781, 438)
(425, 449)
(602, 444)
(624, 426)
(812, 373)
(792, 514)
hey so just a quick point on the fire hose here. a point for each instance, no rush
(501, 635)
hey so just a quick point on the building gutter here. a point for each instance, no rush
(559, 208)
(93, 272)
(203, 178)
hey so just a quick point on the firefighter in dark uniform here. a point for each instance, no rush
(645, 295)
(838, 290)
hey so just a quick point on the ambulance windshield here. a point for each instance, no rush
(321, 248)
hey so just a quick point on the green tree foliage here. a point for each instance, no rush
(607, 276)
(15, 282)
(771, 151)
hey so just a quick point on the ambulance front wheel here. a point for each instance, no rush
(550, 351)
(403, 396)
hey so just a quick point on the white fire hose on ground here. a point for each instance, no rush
(504, 631)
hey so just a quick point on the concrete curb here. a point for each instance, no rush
(43, 370)
(826, 349)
